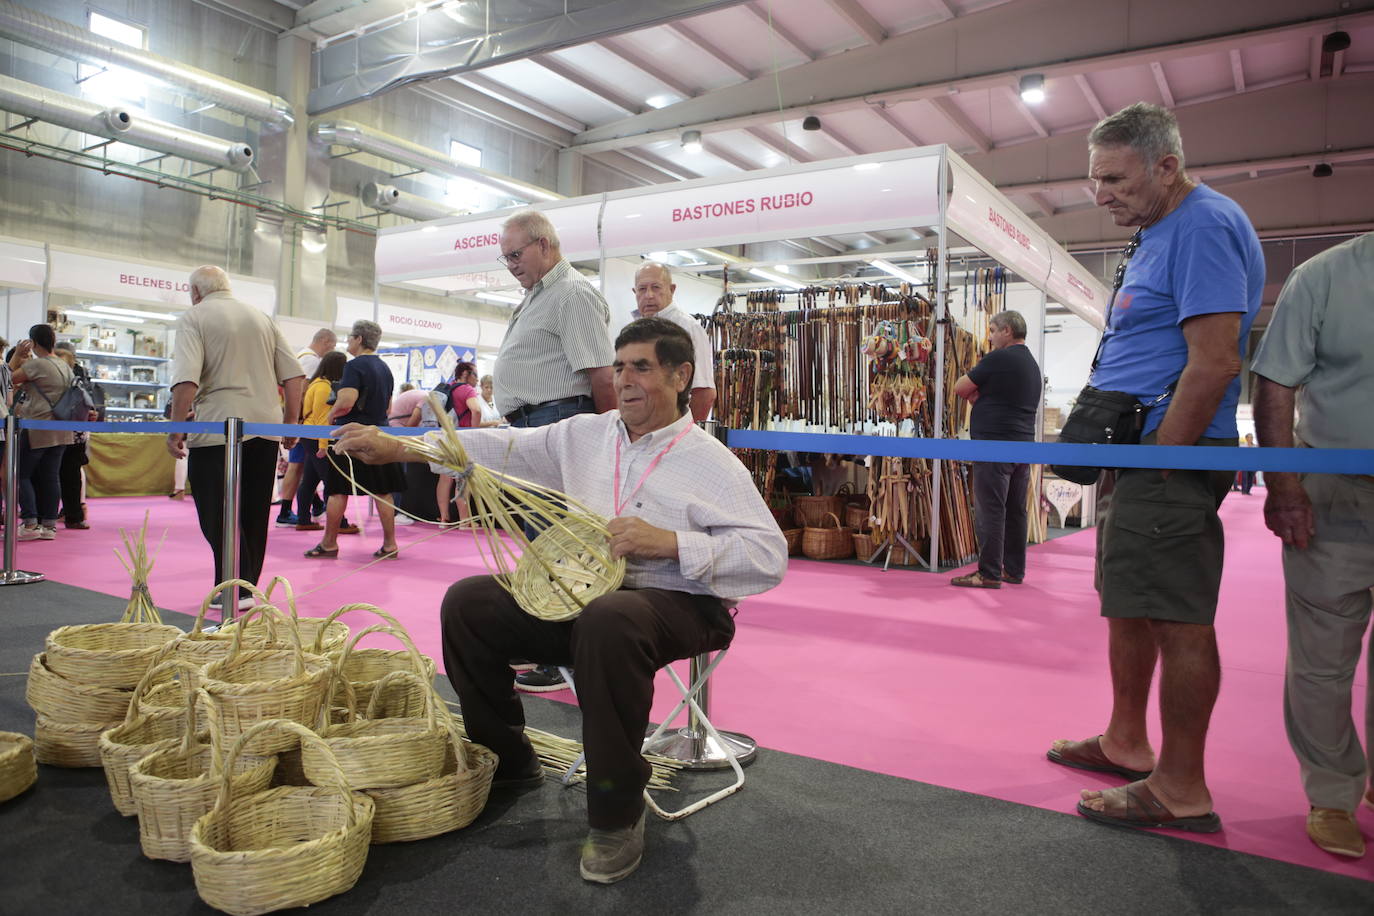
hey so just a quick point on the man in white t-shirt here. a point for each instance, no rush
(323, 341)
(654, 289)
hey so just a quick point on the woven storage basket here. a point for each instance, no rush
(383, 753)
(327, 634)
(200, 647)
(363, 669)
(18, 770)
(68, 744)
(447, 802)
(794, 536)
(106, 654)
(828, 543)
(857, 517)
(863, 546)
(142, 732)
(812, 510)
(60, 700)
(249, 686)
(174, 787)
(284, 847)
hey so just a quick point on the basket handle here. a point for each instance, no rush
(838, 526)
(347, 608)
(431, 714)
(226, 785)
(401, 635)
(460, 750)
(149, 679)
(286, 588)
(266, 610)
(214, 592)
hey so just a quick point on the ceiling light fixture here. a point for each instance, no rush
(1322, 170)
(691, 141)
(78, 313)
(811, 122)
(776, 278)
(494, 297)
(135, 313)
(1335, 41)
(888, 267)
(1033, 88)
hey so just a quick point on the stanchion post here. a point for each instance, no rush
(229, 545)
(12, 576)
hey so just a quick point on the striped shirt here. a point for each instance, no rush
(704, 364)
(559, 331)
(728, 544)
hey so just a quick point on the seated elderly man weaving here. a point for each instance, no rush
(683, 512)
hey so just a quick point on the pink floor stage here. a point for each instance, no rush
(893, 672)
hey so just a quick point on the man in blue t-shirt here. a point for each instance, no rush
(1187, 292)
(1004, 389)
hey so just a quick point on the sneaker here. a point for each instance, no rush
(28, 533)
(47, 532)
(403, 520)
(1335, 831)
(245, 603)
(288, 520)
(610, 855)
(518, 665)
(542, 679)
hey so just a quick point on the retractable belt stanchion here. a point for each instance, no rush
(11, 575)
(229, 550)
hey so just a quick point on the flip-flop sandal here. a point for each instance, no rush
(1145, 812)
(974, 580)
(1087, 755)
(382, 553)
(320, 552)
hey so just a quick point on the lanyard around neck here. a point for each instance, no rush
(615, 497)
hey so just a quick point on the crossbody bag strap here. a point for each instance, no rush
(1126, 254)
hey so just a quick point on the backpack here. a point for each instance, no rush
(74, 404)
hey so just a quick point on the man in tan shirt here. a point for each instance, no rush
(228, 362)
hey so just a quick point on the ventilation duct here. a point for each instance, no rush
(395, 149)
(390, 199)
(54, 107)
(66, 40)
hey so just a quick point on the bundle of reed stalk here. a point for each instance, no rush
(139, 564)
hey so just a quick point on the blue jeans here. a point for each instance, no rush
(39, 485)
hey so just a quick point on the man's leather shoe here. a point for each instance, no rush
(610, 855)
(1335, 831)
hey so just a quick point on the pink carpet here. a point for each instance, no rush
(893, 672)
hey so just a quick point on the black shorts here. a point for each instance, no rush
(376, 479)
(1160, 543)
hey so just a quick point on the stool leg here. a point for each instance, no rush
(694, 746)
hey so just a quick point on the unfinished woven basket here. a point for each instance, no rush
(60, 700)
(383, 753)
(68, 744)
(828, 543)
(249, 686)
(174, 787)
(284, 847)
(106, 654)
(445, 803)
(142, 732)
(18, 769)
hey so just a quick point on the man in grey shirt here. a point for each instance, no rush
(1315, 356)
(555, 360)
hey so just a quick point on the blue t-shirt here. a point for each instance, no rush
(372, 378)
(1201, 259)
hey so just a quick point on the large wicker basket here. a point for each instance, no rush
(18, 770)
(68, 744)
(249, 686)
(381, 753)
(821, 543)
(106, 654)
(812, 510)
(447, 802)
(327, 634)
(142, 732)
(285, 847)
(794, 538)
(174, 787)
(60, 700)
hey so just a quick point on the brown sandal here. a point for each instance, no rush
(974, 580)
(1087, 755)
(1145, 812)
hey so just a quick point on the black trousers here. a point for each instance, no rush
(69, 476)
(617, 644)
(999, 500)
(205, 474)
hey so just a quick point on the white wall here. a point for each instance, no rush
(20, 309)
(694, 296)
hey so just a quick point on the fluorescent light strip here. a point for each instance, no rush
(116, 310)
(494, 297)
(889, 268)
(96, 316)
(776, 278)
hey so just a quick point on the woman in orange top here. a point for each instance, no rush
(315, 412)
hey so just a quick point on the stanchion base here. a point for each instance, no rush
(699, 751)
(20, 577)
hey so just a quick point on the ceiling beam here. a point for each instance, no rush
(1090, 94)
(728, 157)
(1237, 70)
(636, 60)
(870, 29)
(670, 169)
(503, 93)
(582, 81)
(1162, 82)
(891, 120)
(780, 31)
(686, 32)
(1314, 58)
(955, 116)
(1025, 111)
(632, 169)
(1043, 202)
(475, 103)
(782, 147)
(843, 142)
(942, 9)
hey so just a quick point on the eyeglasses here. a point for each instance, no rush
(514, 257)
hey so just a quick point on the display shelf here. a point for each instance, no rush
(108, 354)
(116, 381)
(152, 411)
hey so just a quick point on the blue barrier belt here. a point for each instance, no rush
(1202, 458)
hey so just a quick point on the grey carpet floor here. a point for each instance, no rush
(803, 837)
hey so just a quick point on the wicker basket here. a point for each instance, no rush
(445, 803)
(284, 847)
(106, 654)
(857, 517)
(18, 770)
(863, 546)
(828, 543)
(327, 634)
(249, 686)
(68, 744)
(201, 648)
(362, 670)
(142, 732)
(794, 536)
(812, 510)
(557, 575)
(60, 700)
(383, 753)
(174, 787)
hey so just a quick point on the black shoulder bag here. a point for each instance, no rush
(1104, 417)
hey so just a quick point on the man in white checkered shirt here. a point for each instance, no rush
(696, 536)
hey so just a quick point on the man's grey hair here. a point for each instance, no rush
(60, 345)
(1150, 130)
(1013, 321)
(369, 333)
(535, 224)
(325, 336)
(209, 279)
